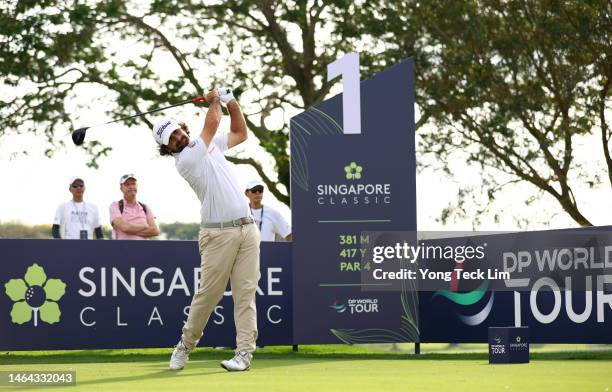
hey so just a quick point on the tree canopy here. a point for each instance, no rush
(510, 85)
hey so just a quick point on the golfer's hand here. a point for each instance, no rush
(226, 94)
(211, 95)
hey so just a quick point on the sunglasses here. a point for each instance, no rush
(77, 186)
(257, 189)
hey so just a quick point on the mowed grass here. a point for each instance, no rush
(329, 368)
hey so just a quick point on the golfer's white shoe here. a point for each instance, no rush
(240, 362)
(179, 357)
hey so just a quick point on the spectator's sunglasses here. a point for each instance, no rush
(257, 189)
(77, 186)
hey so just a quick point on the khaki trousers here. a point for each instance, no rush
(227, 254)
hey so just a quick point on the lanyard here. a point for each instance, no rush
(262, 211)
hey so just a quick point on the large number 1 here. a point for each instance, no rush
(348, 67)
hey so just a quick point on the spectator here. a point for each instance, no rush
(131, 219)
(269, 221)
(76, 219)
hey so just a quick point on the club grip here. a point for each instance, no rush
(198, 99)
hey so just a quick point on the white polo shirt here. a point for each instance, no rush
(212, 179)
(270, 222)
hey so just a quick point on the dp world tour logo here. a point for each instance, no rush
(353, 171)
(356, 305)
(33, 295)
(337, 306)
(470, 298)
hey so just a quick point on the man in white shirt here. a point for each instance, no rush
(76, 219)
(228, 241)
(269, 221)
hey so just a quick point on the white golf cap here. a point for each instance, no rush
(73, 179)
(163, 128)
(253, 183)
(126, 177)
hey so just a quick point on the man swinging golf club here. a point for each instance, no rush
(228, 240)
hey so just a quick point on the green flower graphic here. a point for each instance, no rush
(353, 171)
(35, 294)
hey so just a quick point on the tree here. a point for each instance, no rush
(180, 231)
(19, 230)
(510, 84)
(271, 49)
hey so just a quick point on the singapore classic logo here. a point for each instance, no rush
(353, 171)
(519, 345)
(353, 193)
(35, 296)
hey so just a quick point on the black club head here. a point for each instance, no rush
(78, 136)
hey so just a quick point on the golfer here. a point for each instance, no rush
(228, 241)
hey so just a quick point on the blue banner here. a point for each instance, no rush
(559, 285)
(71, 294)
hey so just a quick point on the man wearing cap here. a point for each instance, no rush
(131, 219)
(228, 240)
(269, 221)
(76, 219)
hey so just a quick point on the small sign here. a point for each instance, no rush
(508, 344)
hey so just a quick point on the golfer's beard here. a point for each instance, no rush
(184, 143)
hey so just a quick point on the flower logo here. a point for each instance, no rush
(35, 294)
(518, 339)
(353, 171)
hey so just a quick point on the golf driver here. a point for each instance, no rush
(78, 135)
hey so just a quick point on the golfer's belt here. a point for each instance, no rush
(232, 223)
